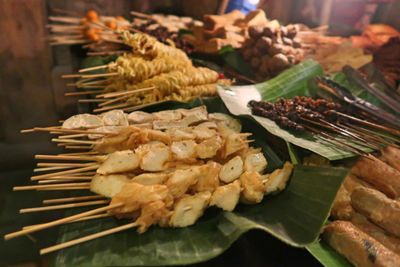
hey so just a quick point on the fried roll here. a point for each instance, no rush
(376, 172)
(358, 247)
(391, 156)
(378, 208)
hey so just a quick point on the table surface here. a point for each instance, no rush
(253, 249)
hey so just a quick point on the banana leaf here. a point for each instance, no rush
(294, 216)
(326, 255)
(292, 82)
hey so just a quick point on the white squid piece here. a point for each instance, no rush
(255, 162)
(227, 196)
(150, 178)
(253, 188)
(119, 161)
(231, 170)
(168, 115)
(181, 180)
(108, 185)
(233, 144)
(155, 158)
(83, 121)
(189, 209)
(208, 178)
(183, 150)
(181, 134)
(204, 133)
(140, 117)
(115, 118)
(277, 180)
(209, 147)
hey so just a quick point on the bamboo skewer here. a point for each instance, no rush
(59, 130)
(67, 178)
(72, 136)
(71, 199)
(79, 153)
(87, 238)
(88, 218)
(93, 92)
(49, 175)
(100, 75)
(74, 141)
(56, 164)
(68, 157)
(83, 187)
(111, 107)
(64, 206)
(61, 221)
(133, 91)
(34, 187)
(91, 100)
(52, 168)
(78, 147)
(94, 68)
(55, 181)
(108, 102)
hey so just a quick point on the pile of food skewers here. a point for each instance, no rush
(163, 168)
(366, 211)
(152, 72)
(353, 119)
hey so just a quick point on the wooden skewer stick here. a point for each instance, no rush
(71, 136)
(111, 107)
(94, 68)
(128, 92)
(92, 100)
(34, 187)
(56, 164)
(64, 206)
(71, 20)
(86, 187)
(87, 238)
(55, 181)
(52, 168)
(88, 218)
(66, 179)
(108, 102)
(79, 153)
(89, 168)
(59, 130)
(73, 141)
(79, 147)
(107, 53)
(61, 221)
(71, 199)
(100, 75)
(68, 76)
(62, 157)
(93, 92)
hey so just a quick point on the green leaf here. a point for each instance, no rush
(233, 59)
(326, 255)
(292, 82)
(294, 216)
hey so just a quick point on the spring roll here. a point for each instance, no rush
(389, 241)
(358, 247)
(342, 208)
(391, 156)
(378, 208)
(376, 172)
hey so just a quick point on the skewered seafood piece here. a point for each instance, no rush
(88, 29)
(358, 247)
(380, 209)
